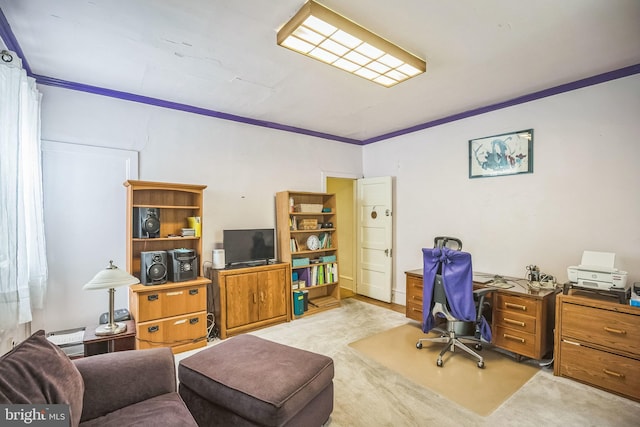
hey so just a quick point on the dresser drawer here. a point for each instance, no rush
(156, 304)
(606, 328)
(515, 320)
(515, 304)
(516, 341)
(173, 331)
(605, 370)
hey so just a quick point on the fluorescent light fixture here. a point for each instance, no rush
(322, 34)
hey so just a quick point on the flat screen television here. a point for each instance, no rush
(247, 247)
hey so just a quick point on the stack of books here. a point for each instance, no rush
(188, 232)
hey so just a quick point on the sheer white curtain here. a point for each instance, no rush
(23, 264)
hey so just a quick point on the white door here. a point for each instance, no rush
(375, 237)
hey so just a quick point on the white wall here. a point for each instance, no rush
(242, 165)
(583, 194)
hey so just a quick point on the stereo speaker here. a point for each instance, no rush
(146, 223)
(218, 259)
(183, 264)
(153, 267)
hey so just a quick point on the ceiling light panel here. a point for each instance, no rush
(322, 34)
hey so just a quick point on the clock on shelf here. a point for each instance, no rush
(313, 243)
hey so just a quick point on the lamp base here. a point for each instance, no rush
(111, 329)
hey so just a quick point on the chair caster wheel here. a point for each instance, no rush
(439, 363)
(481, 365)
(478, 347)
(419, 345)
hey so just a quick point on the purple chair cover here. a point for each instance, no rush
(457, 279)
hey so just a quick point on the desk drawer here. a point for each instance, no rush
(414, 311)
(515, 320)
(516, 341)
(606, 328)
(515, 304)
(601, 369)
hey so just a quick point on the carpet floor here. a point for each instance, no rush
(369, 394)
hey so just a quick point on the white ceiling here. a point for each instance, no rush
(221, 55)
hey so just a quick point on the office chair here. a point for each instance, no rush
(448, 294)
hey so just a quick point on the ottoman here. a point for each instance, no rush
(250, 381)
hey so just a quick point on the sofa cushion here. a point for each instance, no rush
(38, 372)
(164, 410)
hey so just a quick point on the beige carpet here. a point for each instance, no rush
(459, 380)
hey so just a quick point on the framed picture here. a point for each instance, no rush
(504, 154)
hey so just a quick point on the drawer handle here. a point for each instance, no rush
(194, 321)
(173, 294)
(615, 331)
(516, 306)
(511, 337)
(193, 292)
(415, 297)
(514, 322)
(416, 309)
(152, 329)
(153, 297)
(613, 373)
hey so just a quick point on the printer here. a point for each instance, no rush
(597, 271)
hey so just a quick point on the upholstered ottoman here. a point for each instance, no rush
(250, 381)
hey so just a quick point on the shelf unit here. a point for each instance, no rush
(293, 210)
(173, 314)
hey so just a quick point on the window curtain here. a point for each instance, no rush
(23, 264)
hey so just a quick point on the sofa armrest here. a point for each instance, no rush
(116, 380)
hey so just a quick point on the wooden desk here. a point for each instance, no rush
(109, 343)
(522, 320)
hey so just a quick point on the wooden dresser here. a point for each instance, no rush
(170, 315)
(598, 343)
(521, 320)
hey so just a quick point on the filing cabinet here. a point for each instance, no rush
(598, 343)
(170, 315)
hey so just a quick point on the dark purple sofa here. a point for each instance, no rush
(125, 388)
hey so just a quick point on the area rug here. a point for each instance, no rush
(459, 380)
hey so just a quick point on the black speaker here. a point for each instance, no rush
(146, 223)
(153, 267)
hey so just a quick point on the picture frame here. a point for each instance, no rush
(502, 154)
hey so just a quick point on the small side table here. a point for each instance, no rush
(109, 343)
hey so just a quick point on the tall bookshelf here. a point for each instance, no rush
(308, 239)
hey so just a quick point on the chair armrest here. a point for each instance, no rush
(479, 295)
(116, 380)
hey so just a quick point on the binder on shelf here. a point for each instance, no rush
(298, 303)
(328, 258)
(299, 262)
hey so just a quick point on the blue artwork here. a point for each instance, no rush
(504, 154)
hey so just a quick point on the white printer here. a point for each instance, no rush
(597, 271)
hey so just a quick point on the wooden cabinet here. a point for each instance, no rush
(413, 305)
(308, 239)
(170, 314)
(598, 343)
(249, 298)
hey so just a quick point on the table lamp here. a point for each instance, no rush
(110, 278)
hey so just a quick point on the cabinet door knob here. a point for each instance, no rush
(153, 297)
(193, 292)
(154, 328)
(193, 321)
